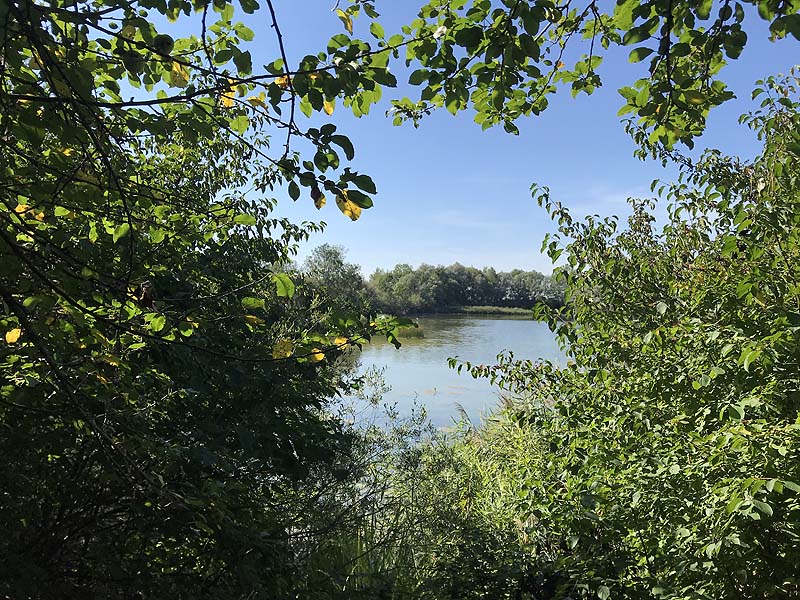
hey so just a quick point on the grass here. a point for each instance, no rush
(490, 310)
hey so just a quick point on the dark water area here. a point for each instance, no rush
(418, 372)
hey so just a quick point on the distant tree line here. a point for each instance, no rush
(435, 288)
(428, 288)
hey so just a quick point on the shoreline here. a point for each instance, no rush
(476, 310)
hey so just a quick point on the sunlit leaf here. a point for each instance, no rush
(346, 19)
(347, 206)
(284, 286)
(120, 232)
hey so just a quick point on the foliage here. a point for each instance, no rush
(671, 439)
(162, 418)
(504, 59)
(341, 282)
(163, 406)
(464, 491)
(371, 554)
(405, 290)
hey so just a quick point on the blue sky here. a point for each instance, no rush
(449, 192)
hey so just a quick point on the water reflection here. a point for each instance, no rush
(418, 372)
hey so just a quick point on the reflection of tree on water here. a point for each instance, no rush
(419, 372)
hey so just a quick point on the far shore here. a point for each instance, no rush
(477, 310)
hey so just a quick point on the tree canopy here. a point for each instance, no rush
(405, 290)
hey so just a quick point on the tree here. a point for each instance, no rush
(163, 392)
(430, 289)
(340, 281)
(671, 436)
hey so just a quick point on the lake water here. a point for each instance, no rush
(418, 372)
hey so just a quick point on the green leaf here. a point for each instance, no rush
(763, 507)
(635, 35)
(157, 323)
(792, 486)
(186, 328)
(305, 107)
(376, 29)
(251, 303)
(244, 219)
(345, 144)
(418, 77)
(244, 63)
(365, 183)
(359, 198)
(284, 286)
(240, 123)
(704, 9)
(694, 97)
(639, 54)
(469, 37)
(244, 32)
(733, 504)
(120, 232)
(294, 190)
(748, 356)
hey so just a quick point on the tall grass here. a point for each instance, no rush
(448, 517)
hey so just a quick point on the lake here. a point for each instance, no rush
(418, 372)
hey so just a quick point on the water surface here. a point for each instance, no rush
(418, 372)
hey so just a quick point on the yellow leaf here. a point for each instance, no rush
(68, 151)
(340, 341)
(319, 201)
(347, 206)
(327, 106)
(283, 348)
(39, 216)
(21, 208)
(316, 355)
(13, 335)
(228, 95)
(180, 76)
(227, 98)
(282, 82)
(258, 100)
(253, 320)
(560, 65)
(346, 20)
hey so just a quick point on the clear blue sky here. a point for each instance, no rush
(449, 192)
